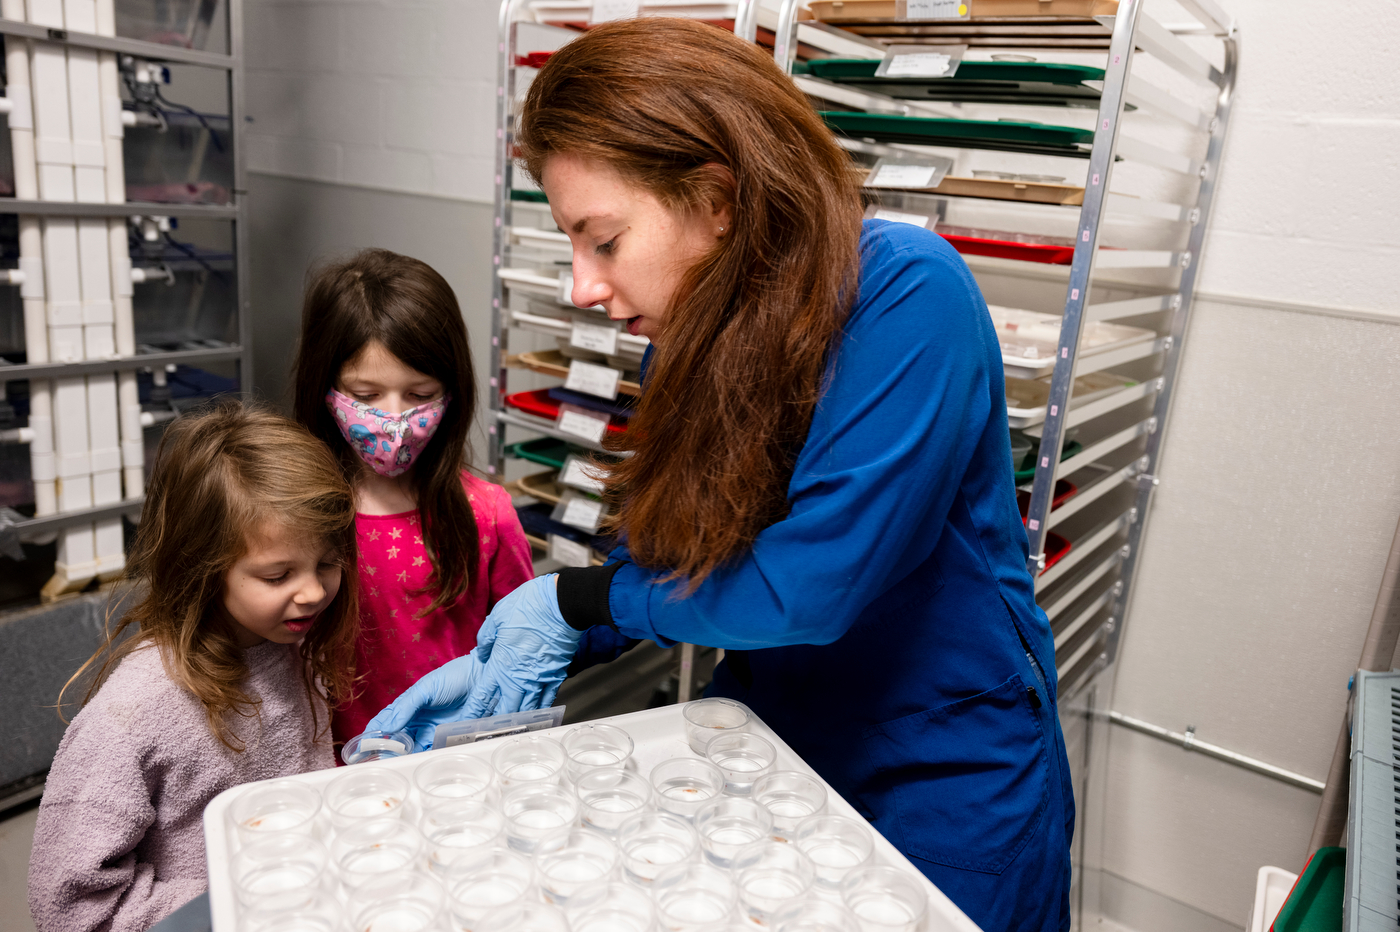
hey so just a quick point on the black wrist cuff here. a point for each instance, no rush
(583, 595)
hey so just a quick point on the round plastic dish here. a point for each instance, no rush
(273, 808)
(654, 842)
(534, 811)
(885, 899)
(596, 746)
(611, 907)
(791, 797)
(376, 745)
(837, 845)
(693, 896)
(728, 824)
(373, 848)
(769, 875)
(461, 829)
(708, 718)
(450, 778)
(816, 915)
(406, 901)
(742, 758)
(279, 872)
(524, 917)
(684, 784)
(607, 798)
(571, 860)
(529, 759)
(322, 913)
(476, 886)
(369, 793)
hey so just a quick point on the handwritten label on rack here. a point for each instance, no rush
(581, 474)
(600, 338)
(568, 552)
(932, 9)
(591, 379)
(909, 171)
(896, 216)
(607, 10)
(920, 61)
(579, 511)
(581, 422)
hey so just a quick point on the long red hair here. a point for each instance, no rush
(701, 118)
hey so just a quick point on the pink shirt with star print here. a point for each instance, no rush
(396, 647)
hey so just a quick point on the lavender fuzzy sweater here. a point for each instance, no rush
(120, 839)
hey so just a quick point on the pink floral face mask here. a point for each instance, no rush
(389, 443)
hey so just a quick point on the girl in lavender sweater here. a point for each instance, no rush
(241, 639)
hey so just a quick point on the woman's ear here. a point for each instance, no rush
(721, 193)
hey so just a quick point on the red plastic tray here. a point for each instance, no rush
(1055, 549)
(540, 404)
(1001, 249)
(532, 59)
(1063, 490)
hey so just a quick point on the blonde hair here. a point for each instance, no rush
(219, 477)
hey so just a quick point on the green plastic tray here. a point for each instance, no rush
(1005, 135)
(1027, 474)
(547, 451)
(1315, 902)
(1039, 84)
(534, 197)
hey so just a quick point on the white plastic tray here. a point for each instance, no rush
(659, 735)
(1027, 399)
(573, 11)
(1030, 340)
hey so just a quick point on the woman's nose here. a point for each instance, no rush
(589, 287)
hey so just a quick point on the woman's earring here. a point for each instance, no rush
(721, 229)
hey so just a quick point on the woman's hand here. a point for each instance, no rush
(437, 698)
(526, 646)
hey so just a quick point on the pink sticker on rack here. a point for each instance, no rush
(1054, 410)
(1117, 59)
(1034, 525)
(1074, 294)
(1064, 352)
(493, 381)
(1044, 462)
(1105, 124)
(1085, 237)
(1096, 177)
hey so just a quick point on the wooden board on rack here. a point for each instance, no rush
(553, 362)
(845, 11)
(1029, 192)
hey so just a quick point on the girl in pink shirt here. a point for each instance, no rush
(384, 377)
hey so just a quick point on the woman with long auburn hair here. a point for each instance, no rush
(818, 480)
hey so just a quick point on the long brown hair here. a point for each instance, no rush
(702, 119)
(219, 477)
(378, 295)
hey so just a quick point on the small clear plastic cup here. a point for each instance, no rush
(729, 824)
(461, 829)
(742, 758)
(684, 784)
(365, 793)
(611, 907)
(279, 872)
(572, 859)
(837, 845)
(770, 875)
(322, 913)
(607, 798)
(524, 917)
(529, 759)
(709, 718)
(497, 878)
(596, 746)
(273, 808)
(376, 745)
(884, 899)
(373, 848)
(693, 896)
(536, 810)
(450, 777)
(404, 901)
(654, 842)
(791, 797)
(816, 915)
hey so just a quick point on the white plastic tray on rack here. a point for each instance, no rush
(580, 11)
(1030, 340)
(659, 735)
(1026, 399)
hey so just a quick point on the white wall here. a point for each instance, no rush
(1279, 492)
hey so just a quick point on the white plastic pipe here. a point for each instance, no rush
(41, 451)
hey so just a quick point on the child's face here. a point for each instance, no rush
(278, 588)
(378, 378)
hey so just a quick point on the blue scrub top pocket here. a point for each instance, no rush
(969, 780)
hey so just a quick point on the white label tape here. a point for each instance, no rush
(582, 513)
(607, 10)
(580, 422)
(568, 552)
(902, 176)
(593, 380)
(600, 338)
(582, 475)
(919, 65)
(895, 216)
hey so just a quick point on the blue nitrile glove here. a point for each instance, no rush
(435, 699)
(527, 647)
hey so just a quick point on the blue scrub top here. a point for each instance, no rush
(887, 626)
